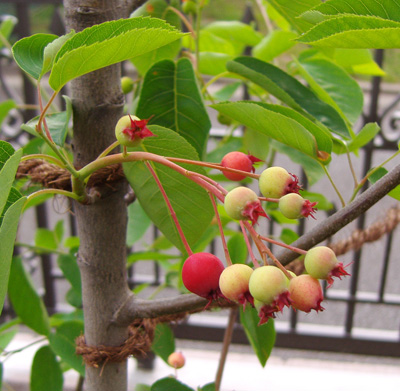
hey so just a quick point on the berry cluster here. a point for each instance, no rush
(267, 288)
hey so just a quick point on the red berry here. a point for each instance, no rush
(238, 161)
(305, 293)
(200, 275)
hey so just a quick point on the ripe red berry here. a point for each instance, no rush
(275, 182)
(238, 161)
(200, 275)
(242, 203)
(305, 293)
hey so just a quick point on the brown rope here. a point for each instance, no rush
(138, 343)
(54, 177)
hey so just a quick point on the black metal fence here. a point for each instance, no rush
(363, 313)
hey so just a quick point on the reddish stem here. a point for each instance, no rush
(269, 199)
(221, 230)
(295, 249)
(171, 209)
(246, 239)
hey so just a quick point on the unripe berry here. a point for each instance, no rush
(200, 275)
(189, 7)
(267, 283)
(294, 206)
(321, 262)
(275, 182)
(238, 161)
(176, 360)
(242, 203)
(305, 293)
(126, 84)
(234, 283)
(130, 130)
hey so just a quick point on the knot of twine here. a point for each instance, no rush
(138, 343)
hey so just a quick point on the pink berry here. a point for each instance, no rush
(294, 206)
(176, 360)
(130, 130)
(200, 275)
(305, 293)
(234, 283)
(238, 161)
(321, 262)
(275, 182)
(242, 203)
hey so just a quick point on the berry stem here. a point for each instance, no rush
(171, 209)
(273, 241)
(221, 230)
(334, 186)
(246, 239)
(276, 200)
(109, 149)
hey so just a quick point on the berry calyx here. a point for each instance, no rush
(200, 275)
(305, 293)
(275, 182)
(321, 262)
(130, 130)
(294, 206)
(234, 283)
(176, 360)
(242, 203)
(238, 161)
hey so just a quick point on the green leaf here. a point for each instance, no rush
(364, 136)
(164, 341)
(385, 9)
(208, 387)
(29, 53)
(170, 93)
(378, 174)
(8, 232)
(358, 61)
(261, 338)
(274, 44)
(209, 42)
(69, 266)
(1, 375)
(169, 384)
(227, 91)
(13, 196)
(334, 86)
(237, 248)
(271, 123)
(6, 27)
(323, 202)
(290, 91)
(63, 344)
(46, 374)
(190, 202)
(257, 144)
(213, 63)
(138, 223)
(149, 256)
(109, 43)
(288, 236)
(5, 338)
(5, 108)
(366, 32)
(46, 239)
(25, 300)
(290, 10)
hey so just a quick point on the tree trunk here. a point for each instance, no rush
(97, 105)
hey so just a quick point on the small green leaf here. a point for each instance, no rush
(25, 300)
(6, 27)
(261, 338)
(208, 387)
(5, 338)
(169, 384)
(227, 91)
(8, 232)
(288, 236)
(170, 94)
(13, 196)
(183, 193)
(109, 43)
(164, 341)
(323, 202)
(213, 63)
(395, 193)
(138, 223)
(274, 44)
(63, 344)
(290, 91)
(69, 266)
(348, 31)
(46, 374)
(237, 248)
(364, 136)
(5, 108)
(358, 61)
(29, 53)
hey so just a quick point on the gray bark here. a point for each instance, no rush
(98, 104)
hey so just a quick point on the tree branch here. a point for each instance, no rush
(137, 308)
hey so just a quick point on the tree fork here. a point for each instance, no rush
(97, 105)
